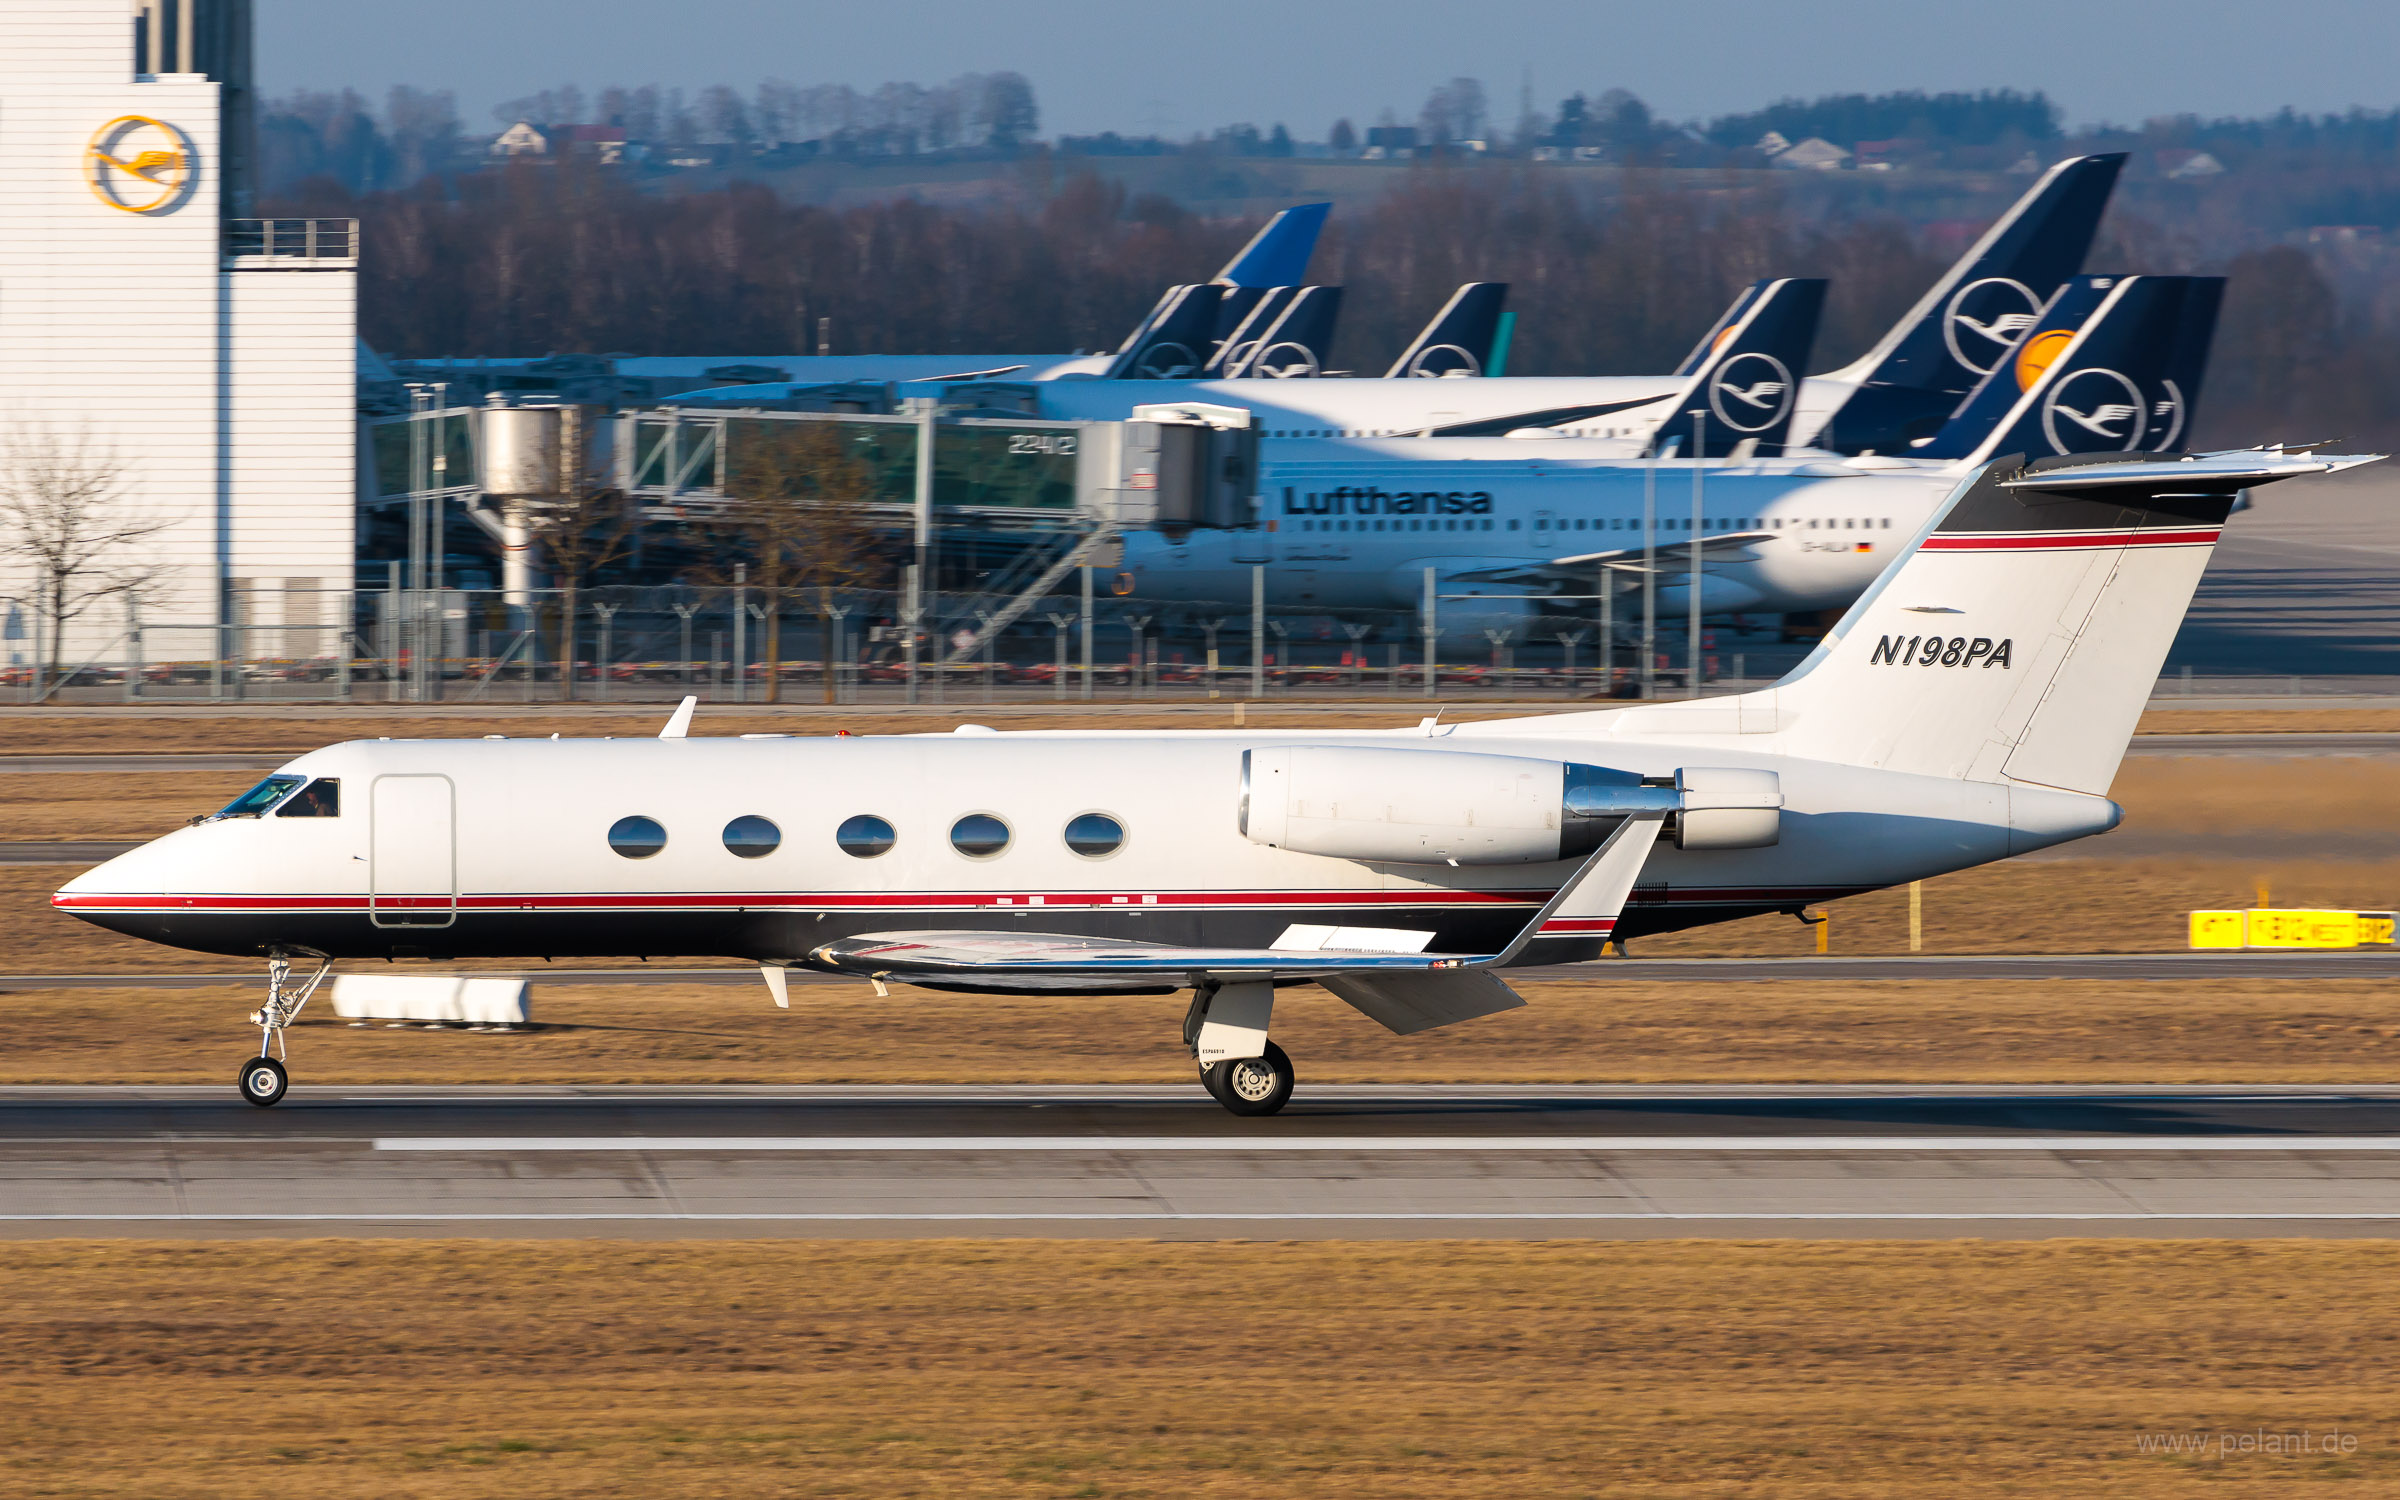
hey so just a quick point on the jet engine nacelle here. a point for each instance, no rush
(1463, 808)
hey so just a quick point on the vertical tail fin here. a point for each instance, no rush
(2097, 373)
(1297, 344)
(1744, 381)
(2018, 637)
(1459, 340)
(1279, 253)
(1243, 315)
(1173, 342)
(1971, 320)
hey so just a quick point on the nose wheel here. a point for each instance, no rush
(263, 1080)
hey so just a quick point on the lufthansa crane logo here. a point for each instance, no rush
(1286, 361)
(1751, 392)
(138, 165)
(2094, 411)
(1986, 319)
(1438, 360)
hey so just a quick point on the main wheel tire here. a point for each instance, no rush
(1257, 1085)
(1212, 1078)
(263, 1081)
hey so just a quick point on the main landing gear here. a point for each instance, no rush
(263, 1080)
(1226, 1030)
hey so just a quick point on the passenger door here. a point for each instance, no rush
(412, 851)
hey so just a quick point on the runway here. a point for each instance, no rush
(1149, 1162)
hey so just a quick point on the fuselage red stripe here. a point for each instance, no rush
(2040, 541)
(735, 901)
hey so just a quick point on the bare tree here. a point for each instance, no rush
(580, 533)
(796, 518)
(64, 515)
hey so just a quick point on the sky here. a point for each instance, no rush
(1139, 67)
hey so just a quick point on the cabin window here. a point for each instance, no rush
(1094, 835)
(865, 836)
(637, 837)
(979, 836)
(321, 798)
(255, 802)
(752, 837)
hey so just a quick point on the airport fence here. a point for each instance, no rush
(736, 645)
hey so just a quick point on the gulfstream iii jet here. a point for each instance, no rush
(1973, 705)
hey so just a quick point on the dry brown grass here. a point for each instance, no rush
(2270, 721)
(464, 1369)
(1799, 1031)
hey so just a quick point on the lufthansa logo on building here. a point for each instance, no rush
(138, 165)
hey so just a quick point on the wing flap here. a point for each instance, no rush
(1405, 1004)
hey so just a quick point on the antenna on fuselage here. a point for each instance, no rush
(680, 726)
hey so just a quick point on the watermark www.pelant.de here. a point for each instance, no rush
(2258, 1440)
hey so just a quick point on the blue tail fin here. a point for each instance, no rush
(1298, 342)
(1174, 341)
(1279, 253)
(1964, 328)
(1745, 381)
(1460, 338)
(2109, 366)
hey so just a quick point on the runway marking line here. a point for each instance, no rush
(962, 1144)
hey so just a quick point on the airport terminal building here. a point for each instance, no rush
(152, 329)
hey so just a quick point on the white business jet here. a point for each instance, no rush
(1973, 704)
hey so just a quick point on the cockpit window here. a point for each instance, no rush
(256, 801)
(321, 798)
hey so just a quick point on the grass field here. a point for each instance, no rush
(466, 1369)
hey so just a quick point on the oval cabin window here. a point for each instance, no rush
(637, 837)
(865, 836)
(1095, 834)
(979, 835)
(752, 837)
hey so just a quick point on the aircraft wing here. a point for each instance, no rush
(1406, 991)
(1717, 547)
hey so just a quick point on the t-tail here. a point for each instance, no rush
(2111, 365)
(1971, 320)
(1744, 380)
(1462, 337)
(1297, 343)
(2017, 639)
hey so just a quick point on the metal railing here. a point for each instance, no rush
(655, 644)
(318, 241)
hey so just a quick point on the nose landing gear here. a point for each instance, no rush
(263, 1080)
